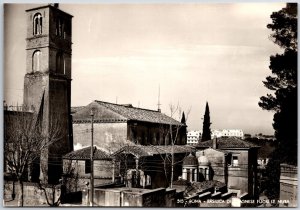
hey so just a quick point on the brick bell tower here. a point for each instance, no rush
(47, 84)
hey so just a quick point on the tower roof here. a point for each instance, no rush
(48, 6)
(190, 160)
(85, 154)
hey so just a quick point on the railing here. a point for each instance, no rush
(18, 108)
(13, 108)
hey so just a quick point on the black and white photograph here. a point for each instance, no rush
(153, 104)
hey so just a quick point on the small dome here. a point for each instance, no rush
(190, 160)
(203, 161)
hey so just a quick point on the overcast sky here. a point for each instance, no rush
(196, 52)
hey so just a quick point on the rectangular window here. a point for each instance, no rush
(87, 166)
(235, 160)
(228, 158)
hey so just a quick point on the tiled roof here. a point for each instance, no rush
(190, 160)
(198, 187)
(229, 143)
(144, 151)
(85, 154)
(139, 114)
(182, 182)
(75, 109)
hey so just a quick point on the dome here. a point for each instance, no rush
(203, 161)
(190, 160)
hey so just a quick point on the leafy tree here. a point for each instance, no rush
(206, 125)
(283, 82)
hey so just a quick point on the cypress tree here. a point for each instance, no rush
(183, 120)
(206, 125)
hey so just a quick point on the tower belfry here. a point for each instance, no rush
(47, 82)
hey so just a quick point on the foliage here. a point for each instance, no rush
(283, 101)
(273, 172)
(206, 135)
(283, 82)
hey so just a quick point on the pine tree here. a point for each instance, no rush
(283, 82)
(283, 102)
(206, 125)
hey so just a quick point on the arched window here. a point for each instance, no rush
(153, 140)
(64, 66)
(59, 27)
(36, 61)
(60, 63)
(37, 24)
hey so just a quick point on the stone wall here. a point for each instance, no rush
(110, 136)
(238, 176)
(33, 196)
(288, 185)
(135, 197)
(217, 163)
(154, 134)
(79, 179)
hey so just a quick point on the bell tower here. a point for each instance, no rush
(47, 82)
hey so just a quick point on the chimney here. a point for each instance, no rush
(215, 141)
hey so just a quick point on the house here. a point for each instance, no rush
(134, 166)
(138, 140)
(234, 162)
(233, 133)
(152, 163)
(77, 167)
(193, 137)
(114, 124)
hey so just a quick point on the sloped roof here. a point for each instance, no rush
(109, 112)
(85, 154)
(228, 143)
(198, 187)
(190, 160)
(139, 114)
(181, 182)
(75, 109)
(150, 150)
(218, 150)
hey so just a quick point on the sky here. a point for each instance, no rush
(193, 52)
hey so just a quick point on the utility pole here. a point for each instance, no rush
(158, 102)
(92, 160)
